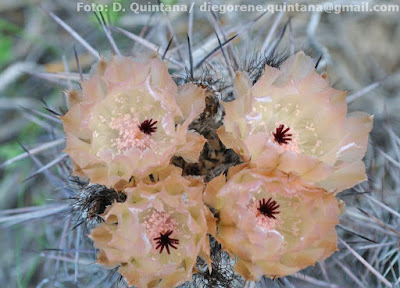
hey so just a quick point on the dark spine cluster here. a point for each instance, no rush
(90, 201)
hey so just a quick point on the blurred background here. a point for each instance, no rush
(360, 53)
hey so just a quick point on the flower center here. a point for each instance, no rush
(131, 134)
(148, 126)
(268, 208)
(281, 135)
(159, 226)
(164, 241)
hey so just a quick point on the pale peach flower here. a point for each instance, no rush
(155, 236)
(128, 121)
(275, 225)
(293, 121)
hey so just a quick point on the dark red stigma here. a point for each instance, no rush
(281, 135)
(148, 126)
(164, 241)
(268, 208)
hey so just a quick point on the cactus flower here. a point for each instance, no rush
(292, 120)
(274, 224)
(127, 121)
(155, 236)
